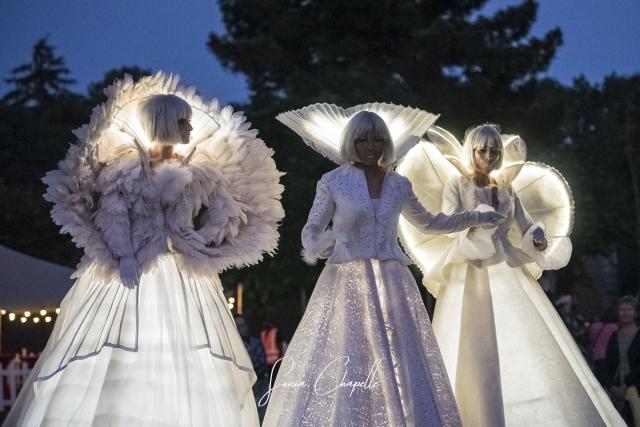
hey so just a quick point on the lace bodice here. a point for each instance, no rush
(358, 231)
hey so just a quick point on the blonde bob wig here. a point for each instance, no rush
(487, 135)
(358, 127)
(159, 115)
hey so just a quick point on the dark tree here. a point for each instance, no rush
(95, 89)
(32, 141)
(40, 81)
(602, 155)
(403, 51)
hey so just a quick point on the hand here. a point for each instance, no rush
(129, 272)
(539, 240)
(489, 219)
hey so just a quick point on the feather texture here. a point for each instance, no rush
(113, 205)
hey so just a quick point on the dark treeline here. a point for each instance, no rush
(438, 55)
(36, 120)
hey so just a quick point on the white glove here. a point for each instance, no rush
(129, 272)
(538, 235)
(539, 239)
(489, 219)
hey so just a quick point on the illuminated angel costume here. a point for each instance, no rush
(508, 354)
(166, 352)
(364, 353)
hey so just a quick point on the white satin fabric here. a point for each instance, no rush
(164, 354)
(511, 360)
(364, 355)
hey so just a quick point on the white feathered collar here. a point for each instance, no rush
(170, 178)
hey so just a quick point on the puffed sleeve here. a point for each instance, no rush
(117, 182)
(558, 251)
(521, 215)
(317, 241)
(439, 223)
(112, 219)
(234, 206)
(527, 227)
(184, 238)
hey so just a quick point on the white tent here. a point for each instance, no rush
(31, 283)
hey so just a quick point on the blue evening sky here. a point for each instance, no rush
(600, 37)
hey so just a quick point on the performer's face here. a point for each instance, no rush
(185, 129)
(626, 313)
(486, 157)
(369, 148)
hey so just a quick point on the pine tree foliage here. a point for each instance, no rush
(41, 80)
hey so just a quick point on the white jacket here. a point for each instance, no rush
(357, 231)
(232, 194)
(143, 217)
(516, 249)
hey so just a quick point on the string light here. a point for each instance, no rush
(27, 315)
(232, 300)
(230, 306)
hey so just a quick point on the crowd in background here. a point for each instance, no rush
(610, 343)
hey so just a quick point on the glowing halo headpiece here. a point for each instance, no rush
(320, 125)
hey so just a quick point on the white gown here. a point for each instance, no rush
(508, 354)
(364, 353)
(164, 354)
(167, 352)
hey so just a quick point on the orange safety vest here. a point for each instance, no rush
(268, 338)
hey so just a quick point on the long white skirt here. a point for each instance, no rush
(510, 358)
(164, 354)
(364, 354)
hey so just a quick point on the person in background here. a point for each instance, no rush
(576, 324)
(623, 361)
(274, 348)
(258, 359)
(599, 333)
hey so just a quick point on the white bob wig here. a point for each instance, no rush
(483, 136)
(358, 127)
(159, 115)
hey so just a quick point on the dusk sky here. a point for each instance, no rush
(600, 37)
